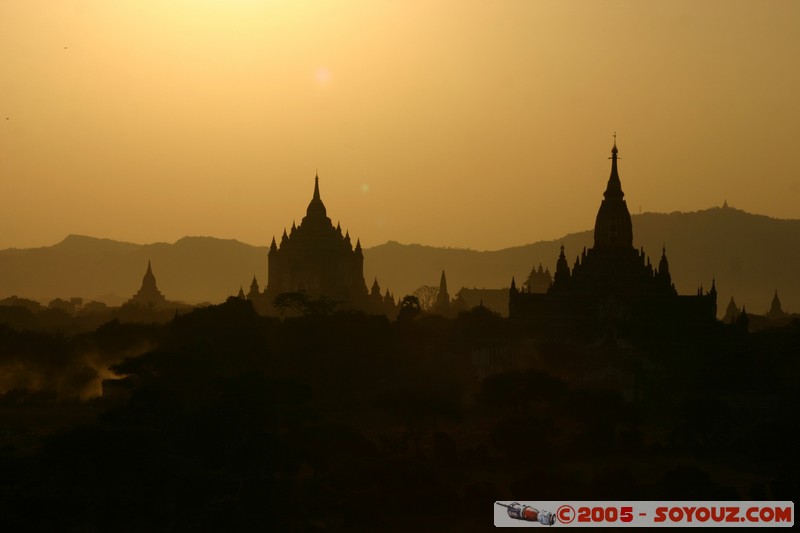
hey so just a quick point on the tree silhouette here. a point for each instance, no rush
(301, 302)
(426, 295)
(409, 308)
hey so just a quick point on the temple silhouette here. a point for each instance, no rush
(385, 304)
(148, 295)
(149, 305)
(539, 281)
(776, 311)
(611, 284)
(442, 304)
(317, 260)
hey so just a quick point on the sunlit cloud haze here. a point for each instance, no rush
(452, 123)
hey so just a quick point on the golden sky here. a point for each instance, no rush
(462, 123)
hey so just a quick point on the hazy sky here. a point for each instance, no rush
(462, 123)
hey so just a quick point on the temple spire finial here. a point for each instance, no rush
(316, 209)
(614, 187)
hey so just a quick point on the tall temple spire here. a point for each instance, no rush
(612, 228)
(149, 280)
(562, 270)
(614, 187)
(316, 209)
(442, 298)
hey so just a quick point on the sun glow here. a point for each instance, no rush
(323, 76)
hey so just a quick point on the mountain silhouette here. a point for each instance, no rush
(749, 255)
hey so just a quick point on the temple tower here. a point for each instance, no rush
(149, 295)
(315, 258)
(613, 228)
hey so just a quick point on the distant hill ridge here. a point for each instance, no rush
(749, 255)
(193, 269)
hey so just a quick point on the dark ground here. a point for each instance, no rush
(229, 421)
